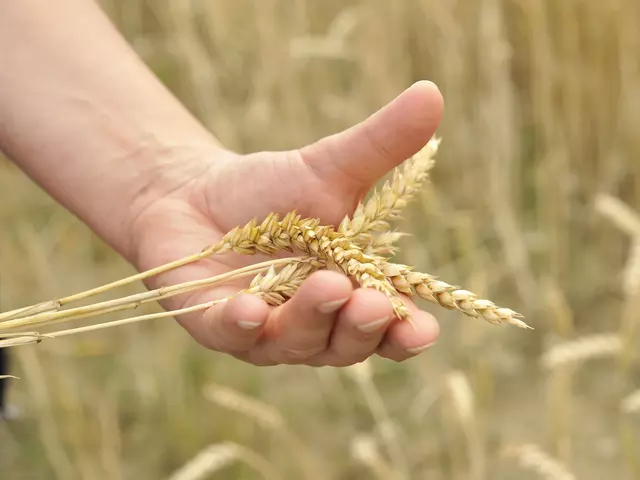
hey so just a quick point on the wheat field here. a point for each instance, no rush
(534, 202)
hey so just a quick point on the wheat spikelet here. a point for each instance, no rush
(276, 287)
(532, 457)
(209, 461)
(451, 297)
(372, 218)
(581, 349)
(631, 403)
(383, 243)
(318, 241)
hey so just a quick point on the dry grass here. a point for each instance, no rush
(542, 110)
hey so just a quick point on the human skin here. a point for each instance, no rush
(82, 115)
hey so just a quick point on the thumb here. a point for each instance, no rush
(365, 152)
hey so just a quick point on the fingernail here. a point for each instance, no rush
(420, 349)
(373, 326)
(330, 307)
(248, 325)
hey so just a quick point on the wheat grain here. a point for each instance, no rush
(581, 349)
(451, 297)
(532, 457)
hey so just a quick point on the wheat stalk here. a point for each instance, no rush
(134, 301)
(273, 288)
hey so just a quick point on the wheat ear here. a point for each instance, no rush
(368, 227)
(451, 297)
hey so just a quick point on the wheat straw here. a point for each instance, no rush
(134, 301)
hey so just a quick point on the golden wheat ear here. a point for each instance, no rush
(370, 222)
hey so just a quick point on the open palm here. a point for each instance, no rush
(328, 321)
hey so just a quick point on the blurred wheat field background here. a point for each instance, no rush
(534, 202)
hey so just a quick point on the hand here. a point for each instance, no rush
(327, 322)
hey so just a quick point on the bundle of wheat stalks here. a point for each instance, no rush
(360, 247)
